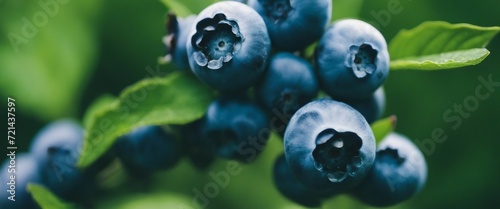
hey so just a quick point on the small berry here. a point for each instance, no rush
(352, 60)
(236, 128)
(399, 172)
(288, 84)
(294, 24)
(196, 147)
(147, 149)
(57, 148)
(178, 32)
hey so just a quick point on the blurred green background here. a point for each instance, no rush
(84, 49)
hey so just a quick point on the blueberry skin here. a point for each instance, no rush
(27, 170)
(147, 149)
(329, 146)
(352, 59)
(57, 148)
(195, 146)
(288, 185)
(294, 24)
(178, 31)
(236, 128)
(288, 84)
(372, 107)
(242, 1)
(228, 46)
(399, 172)
(63, 134)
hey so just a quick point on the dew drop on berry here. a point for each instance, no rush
(337, 176)
(357, 161)
(352, 170)
(318, 166)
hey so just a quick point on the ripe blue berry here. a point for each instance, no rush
(228, 46)
(25, 170)
(178, 32)
(329, 146)
(288, 84)
(61, 134)
(398, 173)
(290, 187)
(294, 24)
(57, 148)
(371, 107)
(352, 59)
(147, 149)
(195, 146)
(236, 128)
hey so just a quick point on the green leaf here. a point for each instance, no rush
(309, 51)
(45, 65)
(177, 99)
(447, 60)
(179, 8)
(99, 105)
(45, 198)
(440, 45)
(383, 127)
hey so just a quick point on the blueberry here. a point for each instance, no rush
(352, 59)
(290, 187)
(371, 107)
(288, 84)
(398, 173)
(147, 149)
(236, 128)
(294, 24)
(178, 32)
(25, 170)
(228, 46)
(195, 146)
(329, 146)
(58, 135)
(57, 148)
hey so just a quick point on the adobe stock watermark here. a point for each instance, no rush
(250, 148)
(30, 25)
(458, 113)
(383, 17)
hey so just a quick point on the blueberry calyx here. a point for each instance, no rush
(337, 154)
(288, 100)
(362, 59)
(171, 39)
(217, 39)
(277, 10)
(391, 156)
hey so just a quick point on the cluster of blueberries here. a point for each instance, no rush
(252, 53)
